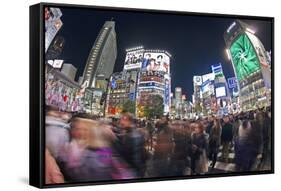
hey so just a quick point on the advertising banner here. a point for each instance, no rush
(133, 59)
(245, 60)
(156, 62)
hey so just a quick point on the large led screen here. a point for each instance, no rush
(244, 57)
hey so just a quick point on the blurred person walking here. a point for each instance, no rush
(163, 148)
(57, 130)
(248, 144)
(226, 137)
(199, 161)
(178, 159)
(132, 143)
(89, 156)
(214, 141)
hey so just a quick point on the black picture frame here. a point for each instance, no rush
(37, 94)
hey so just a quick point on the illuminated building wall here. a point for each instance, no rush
(102, 57)
(154, 78)
(53, 24)
(251, 65)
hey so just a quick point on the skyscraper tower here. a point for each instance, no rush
(251, 65)
(178, 94)
(102, 57)
(53, 24)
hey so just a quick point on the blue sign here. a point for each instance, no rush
(217, 68)
(113, 84)
(232, 82)
(167, 92)
(202, 87)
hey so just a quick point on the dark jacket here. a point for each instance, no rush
(200, 141)
(215, 139)
(227, 132)
(164, 142)
(132, 148)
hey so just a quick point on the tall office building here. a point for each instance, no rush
(178, 94)
(251, 65)
(102, 57)
(53, 24)
(154, 78)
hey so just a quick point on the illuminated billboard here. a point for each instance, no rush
(153, 61)
(220, 91)
(52, 24)
(133, 59)
(210, 76)
(244, 57)
(261, 53)
(197, 80)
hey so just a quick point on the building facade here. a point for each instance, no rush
(102, 57)
(99, 67)
(145, 73)
(251, 64)
(53, 24)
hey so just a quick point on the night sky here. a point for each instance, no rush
(195, 42)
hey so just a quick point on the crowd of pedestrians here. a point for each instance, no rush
(81, 147)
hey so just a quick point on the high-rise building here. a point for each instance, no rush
(102, 57)
(146, 73)
(154, 79)
(251, 65)
(178, 94)
(197, 82)
(99, 67)
(118, 94)
(69, 70)
(53, 24)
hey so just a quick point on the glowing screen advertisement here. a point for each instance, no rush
(156, 62)
(220, 92)
(133, 59)
(244, 57)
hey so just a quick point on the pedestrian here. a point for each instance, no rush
(53, 174)
(214, 141)
(150, 130)
(57, 130)
(199, 161)
(178, 159)
(226, 137)
(132, 144)
(90, 156)
(163, 148)
(248, 144)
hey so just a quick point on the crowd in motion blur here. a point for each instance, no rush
(81, 147)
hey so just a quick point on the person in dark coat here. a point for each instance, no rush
(180, 137)
(226, 137)
(248, 145)
(210, 124)
(214, 141)
(132, 144)
(163, 148)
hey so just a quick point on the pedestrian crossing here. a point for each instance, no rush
(222, 165)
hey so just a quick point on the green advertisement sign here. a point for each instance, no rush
(244, 57)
